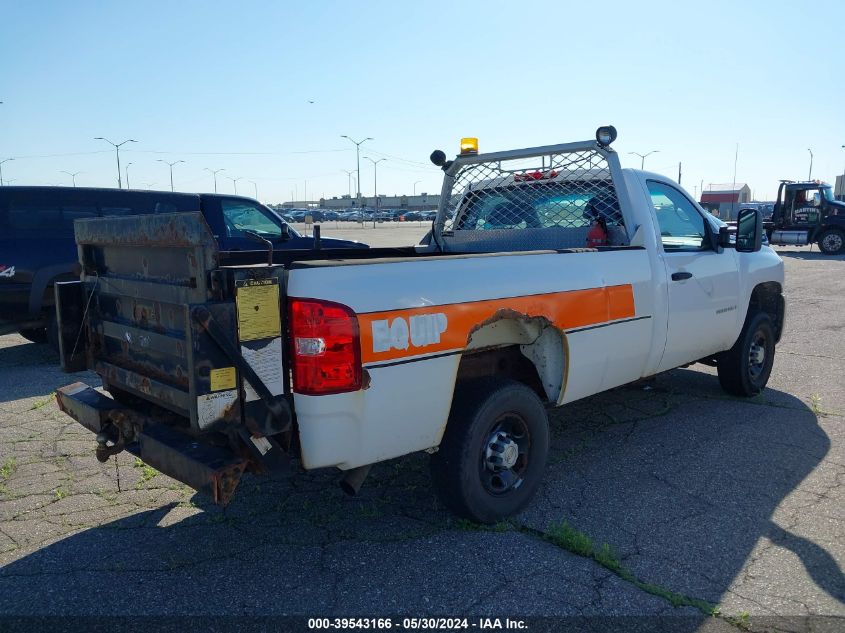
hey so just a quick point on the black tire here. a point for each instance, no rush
(36, 335)
(744, 369)
(489, 418)
(832, 242)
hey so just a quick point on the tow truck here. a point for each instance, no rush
(806, 213)
(215, 365)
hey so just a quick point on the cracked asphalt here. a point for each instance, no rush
(704, 500)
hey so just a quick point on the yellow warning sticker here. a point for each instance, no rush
(258, 309)
(223, 378)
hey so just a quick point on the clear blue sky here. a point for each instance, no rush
(228, 84)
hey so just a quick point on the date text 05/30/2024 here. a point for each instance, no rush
(412, 624)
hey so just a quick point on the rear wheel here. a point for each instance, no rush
(832, 242)
(493, 454)
(744, 369)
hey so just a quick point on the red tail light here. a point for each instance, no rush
(325, 347)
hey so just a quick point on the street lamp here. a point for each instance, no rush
(235, 181)
(810, 175)
(255, 186)
(375, 184)
(117, 153)
(415, 186)
(643, 156)
(214, 175)
(176, 162)
(349, 173)
(357, 158)
(126, 169)
(6, 160)
(72, 175)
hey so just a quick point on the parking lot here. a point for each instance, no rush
(662, 498)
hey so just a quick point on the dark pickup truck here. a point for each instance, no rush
(37, 245)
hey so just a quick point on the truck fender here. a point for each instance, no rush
(539, 341)
(768, 297)
(43, 278)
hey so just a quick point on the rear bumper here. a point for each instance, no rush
(189, 459)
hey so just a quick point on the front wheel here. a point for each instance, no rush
(493, 454)
(832, 242)
(744, 369)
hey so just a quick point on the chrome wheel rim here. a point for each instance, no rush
(757, 355)
(832, 242)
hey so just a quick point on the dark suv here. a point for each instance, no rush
(37, 246)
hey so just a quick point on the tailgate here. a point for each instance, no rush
(160, 319)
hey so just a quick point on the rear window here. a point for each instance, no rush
(569, 204)
(42, 213)
(45, 220)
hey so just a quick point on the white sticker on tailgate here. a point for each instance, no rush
(212, 406)
(266, 361)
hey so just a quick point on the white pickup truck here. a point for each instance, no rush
(217, 363)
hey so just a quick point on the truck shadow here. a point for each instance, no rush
(807, 254)
(681, 482)
(30, 369)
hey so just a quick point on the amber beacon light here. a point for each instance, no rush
(469, 145)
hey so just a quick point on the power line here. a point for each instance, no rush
(102, 151)
(295, 152)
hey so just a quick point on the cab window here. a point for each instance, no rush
(681, 225)
(240, 216)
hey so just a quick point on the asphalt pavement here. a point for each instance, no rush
(664, 498)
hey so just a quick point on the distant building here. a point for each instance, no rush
(421, 202)
(725, 199)
(839, 188)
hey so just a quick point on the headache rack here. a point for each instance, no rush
(531, 199)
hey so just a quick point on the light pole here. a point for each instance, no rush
(643, 156)
(255, 186)
(117, 153)
(349, 173)
(810, 176)
(357, 158)
(126, 169)
(235, 181)
(176, 162)
(72, 175)
(375, 184)
(415, 186)
(214, 175)
(6, 160)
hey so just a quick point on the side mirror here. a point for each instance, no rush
(749, 231)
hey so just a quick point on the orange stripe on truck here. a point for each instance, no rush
(404, 333)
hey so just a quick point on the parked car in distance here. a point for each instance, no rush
(37, 245)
